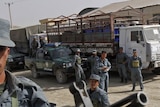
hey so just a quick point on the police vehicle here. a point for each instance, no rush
(54, 60)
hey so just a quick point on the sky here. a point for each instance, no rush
(29, 12)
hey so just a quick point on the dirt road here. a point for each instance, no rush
(59, 93)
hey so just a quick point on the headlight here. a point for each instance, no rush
(66, 65)
(10, 59)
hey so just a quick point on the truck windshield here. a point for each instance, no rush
(61, 52)
(152, 34)
(12, 51)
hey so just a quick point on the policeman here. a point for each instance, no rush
(16, 91)
(34, 45)
(135, 66)
(41, 40)
(121, 60)
(93, 60)
(98, 96)
(78, 69)
(103, 66)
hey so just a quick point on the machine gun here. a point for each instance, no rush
(82, 98)
(135, 100)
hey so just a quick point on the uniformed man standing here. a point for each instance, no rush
(16, 91)
(121, 60)
(79, 73)
(93, 60)
(34, 45)
(135, 66)
(41, 40)
(103, 66)
(98, 96)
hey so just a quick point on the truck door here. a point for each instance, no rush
(39, 59)
(47, 62)
(135, 40)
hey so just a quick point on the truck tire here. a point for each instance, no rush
(34, 72)
(60, 76)
(156, 71)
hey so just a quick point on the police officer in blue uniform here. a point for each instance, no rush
(79, 73)
(102, 67)
(121, 60)
(16, 91)
(135, 66)
(98, 96)
(93, 60)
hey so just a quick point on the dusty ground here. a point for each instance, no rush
(59, 93)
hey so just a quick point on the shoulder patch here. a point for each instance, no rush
(27, 82)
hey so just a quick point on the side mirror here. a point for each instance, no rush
(138, 39)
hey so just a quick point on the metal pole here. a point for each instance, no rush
(9, 5)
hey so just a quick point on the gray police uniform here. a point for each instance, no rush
(21, 92)
(34, 45)
(104, 81)
(135, 66)
(78, 69)
(93, 60)
(99, 98)
(120, 59)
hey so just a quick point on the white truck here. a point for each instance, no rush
(146, 40)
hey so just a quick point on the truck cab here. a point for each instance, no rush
(146, 40)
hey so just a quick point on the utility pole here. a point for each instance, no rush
(9, 7)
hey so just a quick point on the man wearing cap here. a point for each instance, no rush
(79, 73)
(34, 45)
(41, 40)
(102, 67)
(135, 66)
(93, 60)
(98, 96)
(16, 91)
(121, 60)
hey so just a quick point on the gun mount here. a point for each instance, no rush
(81, 97)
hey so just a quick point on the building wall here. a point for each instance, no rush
(150, 11)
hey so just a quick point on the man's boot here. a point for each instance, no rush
(133, 88)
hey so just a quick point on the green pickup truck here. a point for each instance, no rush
(52, 60)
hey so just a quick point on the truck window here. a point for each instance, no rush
(61, 52)
(134, 35)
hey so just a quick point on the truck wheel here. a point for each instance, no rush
(34, 72)
(60, 76)
(156, 71)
